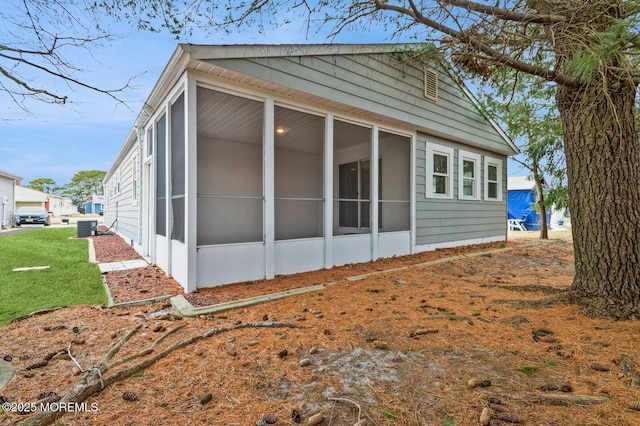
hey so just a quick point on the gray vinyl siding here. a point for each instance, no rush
(120, 210)
(7, 189)
(381, 85)
(449, 220)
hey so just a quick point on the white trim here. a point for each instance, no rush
(234, 90)
(135, 176)
(432, 149)
(374, 197)
(268, 185)
(328, 191)
(413, 202)
(490, 161)
(466, 155)
(191, 184)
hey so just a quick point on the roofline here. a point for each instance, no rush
(184, 52)
(239, 51)
(10, 175)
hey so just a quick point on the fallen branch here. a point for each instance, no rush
(557, 399)
(565, 399)
(94, 379)
(350, 401)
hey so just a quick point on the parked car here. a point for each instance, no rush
(31, 216)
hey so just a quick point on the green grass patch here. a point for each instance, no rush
(529, 370)
(70, 280)
(390, 414)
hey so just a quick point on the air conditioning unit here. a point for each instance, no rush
(87, 228)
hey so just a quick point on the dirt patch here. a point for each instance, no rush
(430, 345)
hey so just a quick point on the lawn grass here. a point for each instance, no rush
(70, 280)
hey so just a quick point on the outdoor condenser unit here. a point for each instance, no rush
(87, 228)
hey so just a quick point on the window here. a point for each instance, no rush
(492, 179)
(230, 168)
(134, 173)
(177, 169)
(149, 141)
(394, 193)
(468, 176)
(298, 187)
(439, 171)
(161, 173)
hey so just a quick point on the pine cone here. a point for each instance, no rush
(269, 418)
(129, 396)
(634, 405)
(509, 417)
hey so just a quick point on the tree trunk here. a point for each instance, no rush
(544, 226)
(603, 169)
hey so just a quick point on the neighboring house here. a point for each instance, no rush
(27, 197)
(55, 204)
(521, 198)
(94, 205)
(7, 198)
(61, 206)
(253, 161)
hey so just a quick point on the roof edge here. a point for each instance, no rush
(10, 175)
(238, 51)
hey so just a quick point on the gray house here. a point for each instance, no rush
(7, 198)
(252, 161)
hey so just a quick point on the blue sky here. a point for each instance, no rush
(53, 141)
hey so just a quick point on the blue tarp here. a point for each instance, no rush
(520, 206)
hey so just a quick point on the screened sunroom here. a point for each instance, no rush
(283, 190)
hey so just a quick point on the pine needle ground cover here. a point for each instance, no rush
(437, 344)
(69, 279)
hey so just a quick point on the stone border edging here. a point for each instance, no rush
(184, 308)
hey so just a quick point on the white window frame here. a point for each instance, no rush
(489, 161)
(469, 156)
(134, 179)
(432, 149)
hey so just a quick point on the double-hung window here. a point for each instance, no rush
(439, 171)
(492, 179)
(468, 176)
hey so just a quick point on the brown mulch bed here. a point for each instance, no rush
(144, 283)
(132, 284)
(112, 248)
(419, 346)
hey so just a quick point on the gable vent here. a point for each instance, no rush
(430, 84)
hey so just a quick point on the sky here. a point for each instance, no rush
(56, 141)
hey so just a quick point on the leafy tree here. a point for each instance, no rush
(592, 51)
(531, 119)
(84, 184)
(47, 185)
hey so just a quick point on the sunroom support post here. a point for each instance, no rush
(268, 182)
(373, 205)
(191, 183)
(328, 191)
